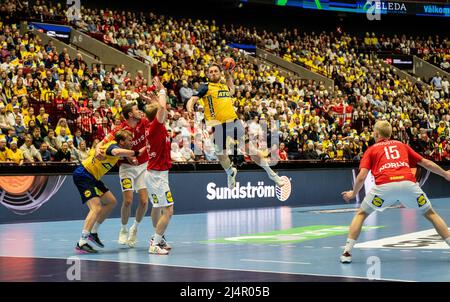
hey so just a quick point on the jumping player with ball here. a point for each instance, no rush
(220, 114)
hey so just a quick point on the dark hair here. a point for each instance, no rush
(216, 65)
(127, 109)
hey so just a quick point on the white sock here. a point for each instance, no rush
(135, 224)
(157, 239)
(124, 227)
(83, 238)
(269, 171)
(349, 245)
(229, 170)
(447, 241)
(95, 228)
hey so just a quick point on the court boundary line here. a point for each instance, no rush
(215, 268)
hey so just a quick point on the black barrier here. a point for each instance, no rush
(49, 194)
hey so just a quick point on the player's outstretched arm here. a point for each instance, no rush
(161, 114)
(190, 104)
(349, 195)
(230, 81)
(431, 166)
(126, 152)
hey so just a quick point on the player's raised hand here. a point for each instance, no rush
(158, 84)
(348, 195)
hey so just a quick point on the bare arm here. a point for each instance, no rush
(190, 104)
(230, 81)
(162, 101)
(125, 152)
(359, 182)
(431, 166)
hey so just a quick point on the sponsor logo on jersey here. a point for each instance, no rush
(155, 198)
(421, 200)
(127, 183)
(169, 196)
(377, 201)
(87, 193)
(223, 94)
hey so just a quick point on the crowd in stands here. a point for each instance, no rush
(55, 108)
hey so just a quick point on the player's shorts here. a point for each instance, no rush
(158, 188)
(132, 178)
(87, 185)
(226, 131)
(407, 193)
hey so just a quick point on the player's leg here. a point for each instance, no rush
(414, 197)
(125, 212)
(158, 243)
(439, 224)
(127, 186)
(156, 215)
(95, 207)
(140, 213)
(260, 159)
(220, 145)
(108, 203)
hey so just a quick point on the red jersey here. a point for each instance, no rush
(390, 161)
(158, 147)
(138, 141)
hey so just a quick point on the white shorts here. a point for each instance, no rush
(407, 193)
(132, 177)
(158, 188)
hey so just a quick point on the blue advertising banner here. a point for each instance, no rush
(53, 198)
(59, 32)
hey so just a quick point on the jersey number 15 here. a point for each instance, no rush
(391, 152)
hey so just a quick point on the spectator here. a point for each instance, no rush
(282, 154)
(30, 153)
(74, 155)
(83, 151)
(37, 138)
(45, 154)
(52, 142)
(16, 155)
(311, 153)
(62, 137)
(63, 154)
(175, 153)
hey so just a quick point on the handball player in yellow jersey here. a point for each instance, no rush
(220, 114)
(93, 191)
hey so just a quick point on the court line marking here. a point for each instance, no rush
(272, 261)
(212, 268)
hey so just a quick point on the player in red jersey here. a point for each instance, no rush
(131, 172)
(390, 162)
(157, 174)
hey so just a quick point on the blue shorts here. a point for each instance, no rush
(87, 185)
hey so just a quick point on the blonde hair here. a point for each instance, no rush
(383, 128)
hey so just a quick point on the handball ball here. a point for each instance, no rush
(228, 63)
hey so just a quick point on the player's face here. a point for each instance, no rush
(127, 142)
(136, 113)
(214, 74)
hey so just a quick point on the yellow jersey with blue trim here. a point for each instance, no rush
(218, 103)
(98, 168)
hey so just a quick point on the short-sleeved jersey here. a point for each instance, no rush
(97, 167)
(138, 141)
(390, 161)
(218, 103)
(158, 147)
(4, 154)
(16, 156)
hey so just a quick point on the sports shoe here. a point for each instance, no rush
(85, 249)
(232, 178)
(132, 237)
(346, 258)
(123, 236)
(158, 250)
(94, 238)
(163, 243)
